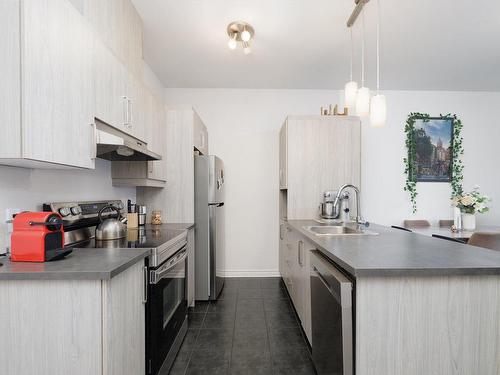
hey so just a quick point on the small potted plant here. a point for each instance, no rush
(469, 204)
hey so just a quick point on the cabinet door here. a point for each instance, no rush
(137, 104)
(57, 94)
(283, 156)
(124, 322)
(200, 135)
(305, 248)
(157, 170)
(110, 88)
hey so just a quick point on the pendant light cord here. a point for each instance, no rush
(378, 46)
(352, 52)
(363, 51)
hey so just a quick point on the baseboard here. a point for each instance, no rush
(251, 273)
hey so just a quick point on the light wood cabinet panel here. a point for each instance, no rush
(50, 327)
(283, 172)
(76, 327)
(10, 66)
(119, 26)
(442, 325)
(146, 173)
(157, 170)
(124, 323)
(55, 85)
(200, 135)
(323, 154)
(110, 88)
(177, 199)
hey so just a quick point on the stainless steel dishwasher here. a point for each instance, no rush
(332, 321)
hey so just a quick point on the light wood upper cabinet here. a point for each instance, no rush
(147, 173)
(47, 57)
(283, 156)
(323, 153)
(200, 135)
(119, 26)
(110, 88)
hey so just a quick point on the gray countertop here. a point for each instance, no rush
(83, 263)
(395, 252)
(174, 226)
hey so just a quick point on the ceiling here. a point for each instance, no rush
(304, 44)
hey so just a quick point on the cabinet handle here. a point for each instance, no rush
(93, 141)
(299, 253)
(281, 232)
(129, 106)
(125, 111)
(145, 285)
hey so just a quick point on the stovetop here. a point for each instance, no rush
(143, 238)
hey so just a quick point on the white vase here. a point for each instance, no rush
(457, 218)
(468, 221)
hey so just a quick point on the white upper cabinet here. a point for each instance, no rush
(46, 61)
(147, 173)
(111, 104)
(283, 174)
(120, 28)
(200, 135)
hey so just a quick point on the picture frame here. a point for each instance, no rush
(427, 159)
(433, 137)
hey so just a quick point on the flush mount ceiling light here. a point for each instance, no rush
(240, 32)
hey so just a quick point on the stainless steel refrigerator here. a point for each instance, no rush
(209, 231)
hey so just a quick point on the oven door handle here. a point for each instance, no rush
(156, 275)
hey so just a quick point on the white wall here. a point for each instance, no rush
(28, 189)
(243, 127)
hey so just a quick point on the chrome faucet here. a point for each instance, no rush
(359, 218)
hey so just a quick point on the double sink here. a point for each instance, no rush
(339, 229)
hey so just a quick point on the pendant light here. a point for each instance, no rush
(363, 97)
(351, 87)
(378, 106)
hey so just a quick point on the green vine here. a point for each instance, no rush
(409, 161)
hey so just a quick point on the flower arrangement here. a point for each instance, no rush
(471, 202)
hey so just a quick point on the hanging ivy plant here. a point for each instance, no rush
(456, 165)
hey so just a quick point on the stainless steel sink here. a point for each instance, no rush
(338, 230)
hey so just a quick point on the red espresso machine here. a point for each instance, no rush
(37, 237)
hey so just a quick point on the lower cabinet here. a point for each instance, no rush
(294, 260)
(76, 327)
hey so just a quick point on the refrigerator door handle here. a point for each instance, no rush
(216, 204)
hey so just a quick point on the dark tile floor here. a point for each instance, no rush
(251, 329)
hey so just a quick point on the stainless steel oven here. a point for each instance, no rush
(166, 312)
(332, 318)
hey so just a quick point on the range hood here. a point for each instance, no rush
(120, 147)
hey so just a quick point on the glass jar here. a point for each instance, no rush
(156, 217)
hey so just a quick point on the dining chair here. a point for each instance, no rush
(486, 240)
(416, 224)
(446, 223)
(400, 228)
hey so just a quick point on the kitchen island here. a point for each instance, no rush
(421, 305)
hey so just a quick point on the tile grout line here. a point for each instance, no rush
(195, 341)
(267, 335)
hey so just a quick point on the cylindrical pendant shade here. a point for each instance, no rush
(350, 92)
(363, 102)
(378, 111)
